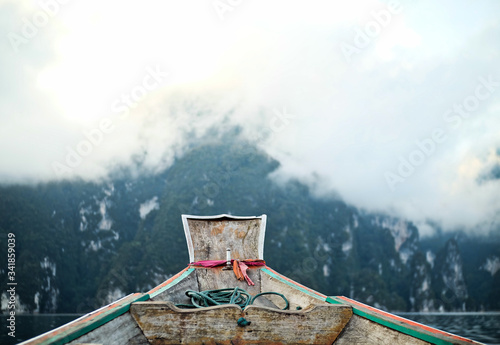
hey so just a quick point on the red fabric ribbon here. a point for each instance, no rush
(239, 267)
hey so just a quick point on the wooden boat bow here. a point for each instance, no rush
(153, 318)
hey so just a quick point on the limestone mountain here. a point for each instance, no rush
(82, 244)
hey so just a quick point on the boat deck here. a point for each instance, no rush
(312, 318)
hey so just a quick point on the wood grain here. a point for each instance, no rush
(162, 323)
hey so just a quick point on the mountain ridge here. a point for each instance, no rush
(83, 244)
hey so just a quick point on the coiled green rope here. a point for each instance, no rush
(272, 293)
(240, 297)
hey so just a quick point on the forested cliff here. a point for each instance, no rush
(82, 244)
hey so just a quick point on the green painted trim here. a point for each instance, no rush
(172, 283)
(400, 328)
(75, 331)
(287, 282)
(71, 334)
(422, 335)
(333, 301)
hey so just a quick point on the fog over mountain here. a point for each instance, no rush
(82, 244)
(392, 105)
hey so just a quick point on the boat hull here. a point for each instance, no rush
(312, 318)
(152, 318)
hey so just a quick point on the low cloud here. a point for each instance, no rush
(405, 122)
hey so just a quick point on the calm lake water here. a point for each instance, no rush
(483, 327)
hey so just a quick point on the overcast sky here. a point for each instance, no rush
(394, 105)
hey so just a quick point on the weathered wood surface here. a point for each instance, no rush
(162, 323)
(217, 278)
(177, 292)
(320, 324)
(401, 325)
(289, 289)
(211, 238)
(202, 279)
(119, 331)
(365, 332)
(99, 321)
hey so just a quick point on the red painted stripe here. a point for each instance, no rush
(165, 283)
(403, 320)
(295, 283)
